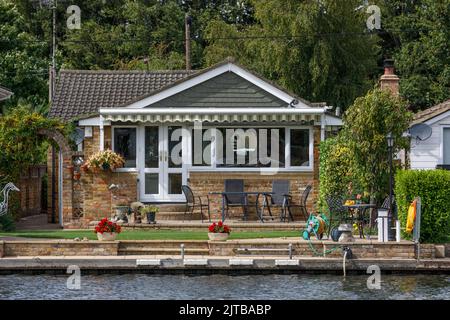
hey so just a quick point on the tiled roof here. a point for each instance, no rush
(4, 93)
(80, 93)
(431, 112)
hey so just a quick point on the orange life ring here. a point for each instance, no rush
(411, 216)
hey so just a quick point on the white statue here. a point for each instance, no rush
(4, 204)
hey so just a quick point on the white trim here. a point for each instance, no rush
(213, 111)
(437, 118)
(102, 134)
(228, 67)
(441, 147)
(92, 122)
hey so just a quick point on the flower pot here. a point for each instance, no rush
(151, 217)
(218, 236)
(106, 236)
(122, 212)
(106, 166)
(77, 175)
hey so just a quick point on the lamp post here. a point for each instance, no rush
(390, 143)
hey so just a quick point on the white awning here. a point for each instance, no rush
(215, 115)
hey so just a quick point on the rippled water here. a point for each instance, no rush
(142, 286)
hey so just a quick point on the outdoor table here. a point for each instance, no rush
(245, 193)
(360, 209)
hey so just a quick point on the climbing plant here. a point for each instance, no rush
(20, 143)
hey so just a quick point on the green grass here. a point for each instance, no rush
(147, 235)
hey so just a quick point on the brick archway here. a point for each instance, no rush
(67, 187)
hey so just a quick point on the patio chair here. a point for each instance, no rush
(337, 210)
(301, 205)
(235, 200)
(280, 190)
(192, 204)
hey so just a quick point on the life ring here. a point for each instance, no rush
(411, 216)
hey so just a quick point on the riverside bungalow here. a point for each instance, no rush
(181, 127)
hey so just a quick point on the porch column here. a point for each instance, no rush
(102, 134)
(322, 127)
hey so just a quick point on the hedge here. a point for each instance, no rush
(433, 187)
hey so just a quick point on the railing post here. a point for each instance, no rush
(416, 235)
(290, 251)
(182, 251)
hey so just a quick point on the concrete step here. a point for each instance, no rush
(178, 216)
(163, 251)
(171, 207)
(169, 244)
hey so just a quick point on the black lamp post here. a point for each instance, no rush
(390, 143)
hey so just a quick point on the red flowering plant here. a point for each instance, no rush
(107, 226)
(219, 228)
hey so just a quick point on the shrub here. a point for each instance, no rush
(337, 171)
(433, 187)
(104, 160)
(7, 223)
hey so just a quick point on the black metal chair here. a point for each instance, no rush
(191, 202)
(337, 210)
(235, 200)
(301, 205)
(280, 190)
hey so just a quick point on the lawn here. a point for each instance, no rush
(147, 235)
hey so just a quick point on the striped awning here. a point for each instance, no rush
(183, 115)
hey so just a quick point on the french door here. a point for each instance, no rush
(163, 168)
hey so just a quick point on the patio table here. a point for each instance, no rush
(361, 208)
(245, 193)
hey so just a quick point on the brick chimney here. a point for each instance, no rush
(389, 80)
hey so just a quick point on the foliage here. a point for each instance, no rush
(7, 223)
(219, 228)
(366, 124)
(419, 42)
(433, 187)
(24, 60)
(107, 226)
(20, 142)
(311, 51)
(338, 174)
(148, 209)
(103, 160)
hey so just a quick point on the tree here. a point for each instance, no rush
(23, 60)
(317, 49)
(420, 38)
(366, 125)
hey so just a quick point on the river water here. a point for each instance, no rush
(277, 287)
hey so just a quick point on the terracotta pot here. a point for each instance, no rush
(77, 175)
(106, 236)
(218, 236)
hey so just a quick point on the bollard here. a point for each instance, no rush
(290, 251)
(182, 251)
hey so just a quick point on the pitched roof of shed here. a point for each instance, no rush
(80, 93)
(431, 112)
(4, 93)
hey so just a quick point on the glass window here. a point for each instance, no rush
(151, 147)
(201, 147)
(299, 147)
(175, 182)
(249, 147)
(125, 145)
(152, 183)
(446, 145)
(175, 147)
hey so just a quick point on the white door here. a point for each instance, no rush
(163, 170)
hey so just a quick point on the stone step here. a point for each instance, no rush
(171, 207)
(163, 251)
(172, 244)
(178, 216)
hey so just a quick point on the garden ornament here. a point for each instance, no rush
(4, 204)
(316, 225)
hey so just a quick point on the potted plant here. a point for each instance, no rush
(122, 211)
(219, 231)
(150, 212)
(107, 230)
(105, 160)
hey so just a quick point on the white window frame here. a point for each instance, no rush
(287, 168)
(444, 126)
(138, 146)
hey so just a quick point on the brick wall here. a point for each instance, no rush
(60, 248)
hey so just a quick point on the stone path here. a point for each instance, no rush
(37, 222)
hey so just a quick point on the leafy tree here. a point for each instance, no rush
(366, 125)
(317, 49)
(419, 39)
(23, 62)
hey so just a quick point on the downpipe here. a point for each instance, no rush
(347, 252)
